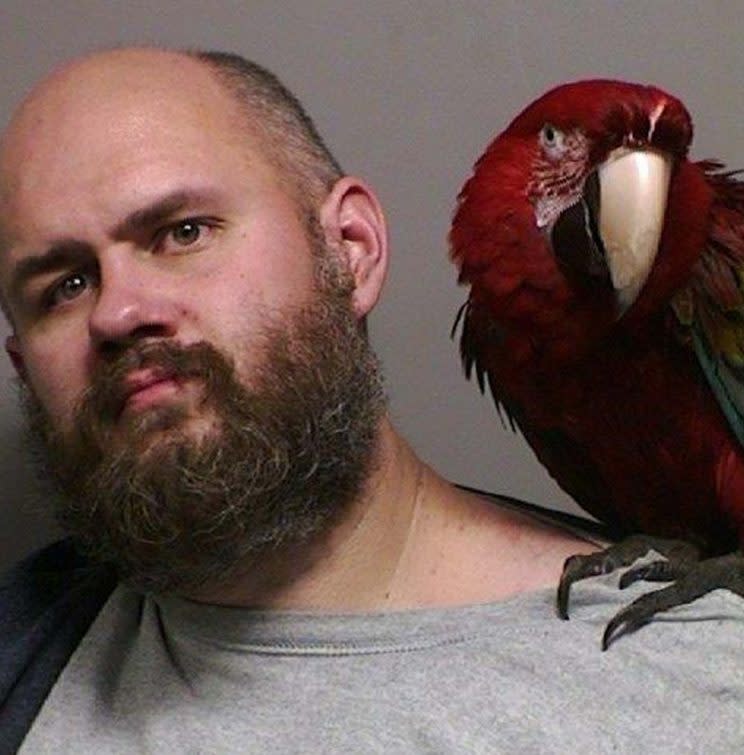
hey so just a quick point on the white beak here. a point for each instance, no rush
(633, 185)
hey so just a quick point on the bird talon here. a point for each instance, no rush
(613, 631)
(607, 637)
(632, 576)
(625, 621)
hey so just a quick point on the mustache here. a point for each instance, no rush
(111, 383)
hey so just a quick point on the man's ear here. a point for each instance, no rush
(353, 222)
(13, 349)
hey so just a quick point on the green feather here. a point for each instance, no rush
(726, 384)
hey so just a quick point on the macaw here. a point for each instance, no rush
(606, 316)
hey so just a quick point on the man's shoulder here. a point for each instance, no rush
(472, 547)
(44, 579)
(578, 526)
(51, 589)
(47, 603)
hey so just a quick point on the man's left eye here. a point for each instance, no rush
(186, 232)
(185, 235)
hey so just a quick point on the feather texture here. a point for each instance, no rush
(639, 417)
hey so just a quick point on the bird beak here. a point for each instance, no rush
(633, 188)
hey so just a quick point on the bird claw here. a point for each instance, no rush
(620, 624)
(656, 571)
(699, 579)
(617, 556)
(576, 568)
(691, 579)
(634, 616)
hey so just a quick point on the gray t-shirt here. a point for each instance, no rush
(171, 676)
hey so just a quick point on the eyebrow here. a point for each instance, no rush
(60, 255)
(159, 211)
(66, 252)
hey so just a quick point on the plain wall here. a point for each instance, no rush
(407, 94)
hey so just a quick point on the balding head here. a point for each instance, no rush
(90, 104)
(111, 105)
(98, 86)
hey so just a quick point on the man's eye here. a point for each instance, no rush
(184, 235)
(66, 289)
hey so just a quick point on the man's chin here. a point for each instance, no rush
(173, 422)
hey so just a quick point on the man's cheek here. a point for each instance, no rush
(58, 403)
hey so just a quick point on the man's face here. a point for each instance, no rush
(158, 218)
(201, 391)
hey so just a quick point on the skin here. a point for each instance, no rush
(141, 127)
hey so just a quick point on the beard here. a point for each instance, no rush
(279, 464)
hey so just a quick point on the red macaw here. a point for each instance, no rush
(606, 313)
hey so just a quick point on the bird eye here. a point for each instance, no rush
(552, 140)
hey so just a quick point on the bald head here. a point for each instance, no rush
(91, 104)
(110, 111)
(135, 70)
(98, 88)
(113, 91)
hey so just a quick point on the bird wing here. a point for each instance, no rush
(710, 308)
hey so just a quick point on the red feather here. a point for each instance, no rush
(618, 410)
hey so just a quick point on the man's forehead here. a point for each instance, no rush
(148, 68)
(107, 83)
(118, 98)
(113, 103)
(133, 122)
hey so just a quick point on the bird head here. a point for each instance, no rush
(577, 186)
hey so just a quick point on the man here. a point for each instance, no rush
(187, 274)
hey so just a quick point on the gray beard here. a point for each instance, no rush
(280, 465)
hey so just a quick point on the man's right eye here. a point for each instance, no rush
(65, 289)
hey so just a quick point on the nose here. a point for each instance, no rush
(131, 304)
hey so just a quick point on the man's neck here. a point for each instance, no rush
(411, 540)
(353, 567)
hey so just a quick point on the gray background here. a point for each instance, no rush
(407, 94)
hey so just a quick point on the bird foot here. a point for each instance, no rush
(679, 557)
(691, 578)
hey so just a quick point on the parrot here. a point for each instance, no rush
(605, 315)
